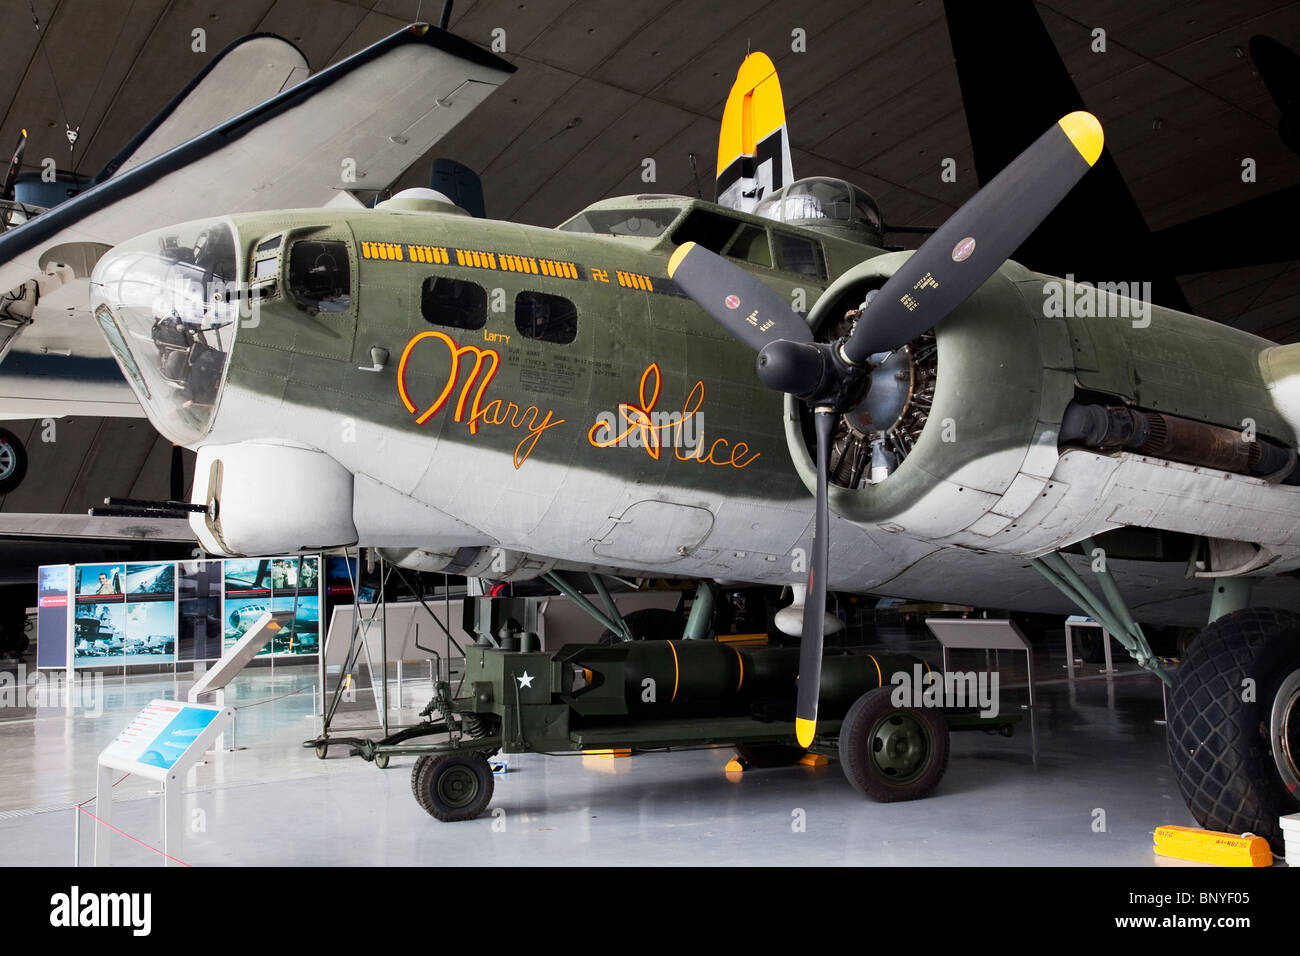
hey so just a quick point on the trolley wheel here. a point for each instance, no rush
(769, 755)
(893, 753)
(322, 751)
(381, 761)
(420, 761)
(456, 786)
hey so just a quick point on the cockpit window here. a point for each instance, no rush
(320, 276)
(750, 245)
(798, 254)
(457, 303)
(642, 223)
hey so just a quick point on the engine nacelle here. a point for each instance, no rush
(986, 401)
(983, 426)
(270, 499)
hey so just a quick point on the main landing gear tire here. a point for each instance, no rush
(456, 786)
(1234, 723)
(770, 755)
(13, 461)
(892, 753)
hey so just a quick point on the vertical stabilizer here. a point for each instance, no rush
(754, 146)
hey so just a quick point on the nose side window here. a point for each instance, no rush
(456, 303)
(550, 318)
(320, 277)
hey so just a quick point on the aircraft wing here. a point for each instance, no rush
(248, 72)
(356, 126)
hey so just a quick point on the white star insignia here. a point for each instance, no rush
(524, 680)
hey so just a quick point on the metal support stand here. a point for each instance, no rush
(701, 617)
(1071, 624)
(988, 635)
(1112, 612)
(615, 624)
(610, 607)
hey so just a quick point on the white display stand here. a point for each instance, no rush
(162, 743)
(372, 642)
(215, 679)
(987, 635)
(1079, 622)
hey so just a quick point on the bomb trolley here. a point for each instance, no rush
(665, 695)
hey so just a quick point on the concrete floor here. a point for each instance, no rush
(1101, 786)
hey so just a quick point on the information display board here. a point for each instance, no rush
(53, 614)
(162, 743)
(159, 736)
(198, 591)
(119, 614)
(257, 585)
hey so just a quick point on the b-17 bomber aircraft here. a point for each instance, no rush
(753, 392)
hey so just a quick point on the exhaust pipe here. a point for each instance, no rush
(1116, 427)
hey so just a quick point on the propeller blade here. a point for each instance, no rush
(15, 164)
(814, 608)
(740, 303)
(974, 243)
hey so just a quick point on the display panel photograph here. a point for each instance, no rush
(100, 632)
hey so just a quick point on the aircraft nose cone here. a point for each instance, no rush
(168, 303)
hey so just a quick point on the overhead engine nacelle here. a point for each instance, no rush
(270, 499)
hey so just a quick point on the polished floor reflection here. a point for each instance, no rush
(1101, 786)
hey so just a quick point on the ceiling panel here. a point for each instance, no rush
(590, 33)
(677, 40)
(619, 151)
(315, 30)
(547, 145)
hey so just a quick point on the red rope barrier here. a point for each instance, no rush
(81, 809)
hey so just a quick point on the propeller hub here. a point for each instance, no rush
(814, 372)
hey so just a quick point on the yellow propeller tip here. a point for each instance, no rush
(676, 259)
(804, 731)
(1085, 133)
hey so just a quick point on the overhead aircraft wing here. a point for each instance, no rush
(247, 72)
(356, 126)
